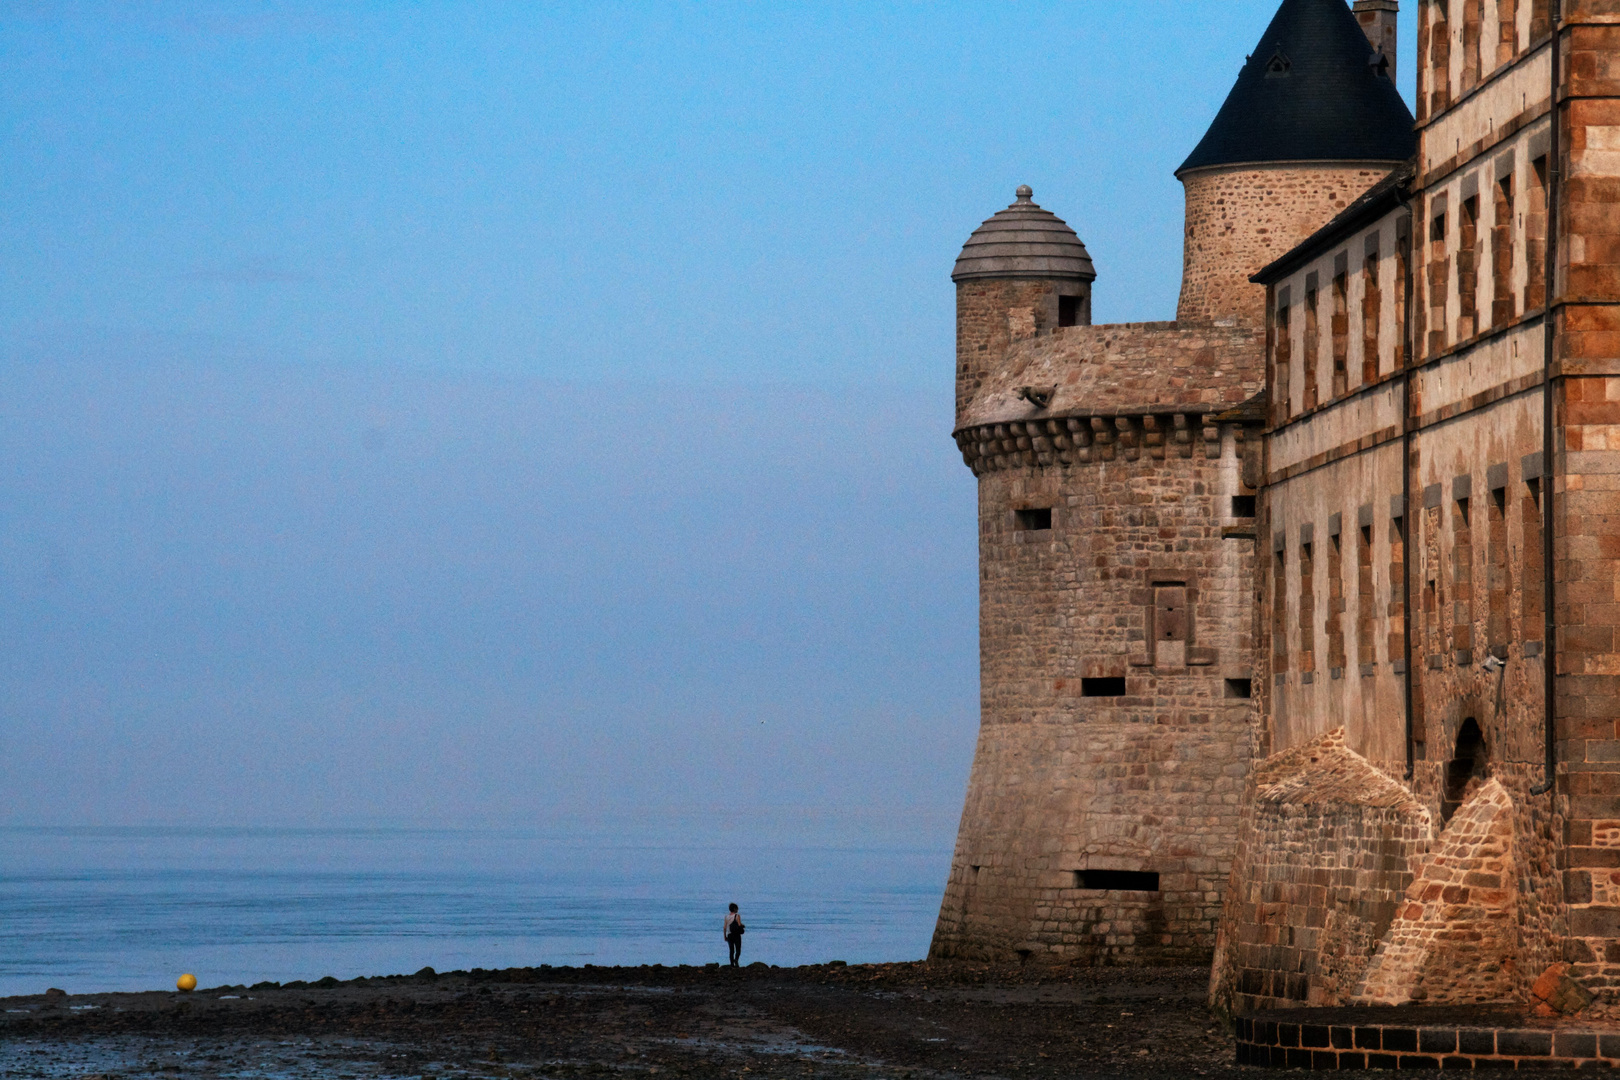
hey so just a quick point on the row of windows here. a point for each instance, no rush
(1332, 311)
(1483, 48)
(1114, 686)
(1039, 518)
(1450, 599)
(1464, 250)
(1464, 255)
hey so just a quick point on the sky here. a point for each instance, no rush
(529, 416)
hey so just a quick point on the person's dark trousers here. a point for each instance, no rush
(735, 942)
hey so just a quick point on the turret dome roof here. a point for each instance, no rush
(1313, 90)
(1024, 241)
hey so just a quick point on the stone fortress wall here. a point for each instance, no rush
(1116, 622)
(1309, 742)
(1428, 473)
(1115, 581)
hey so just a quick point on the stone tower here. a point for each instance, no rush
(1022, 272)
(1117, 470)
(1313, 121)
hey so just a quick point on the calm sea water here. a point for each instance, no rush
(130, 909)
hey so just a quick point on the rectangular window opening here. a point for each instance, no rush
(1240, 688)
(1034, 520)
(1243, 506)
(1068, 311)
(1106, 687)
(1121, 880)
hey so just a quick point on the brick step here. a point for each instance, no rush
(1481, 1037)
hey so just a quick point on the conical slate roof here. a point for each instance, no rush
(1024, 241)
(1311, 91)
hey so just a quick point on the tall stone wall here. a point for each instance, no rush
(1116, 662)
(1587, 551)
(1326, 853)
(1241, 218)
(991, 314)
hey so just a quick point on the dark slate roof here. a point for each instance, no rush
(1374, 203)
(1311, 91)
(1024, 241)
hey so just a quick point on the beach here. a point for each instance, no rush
(916, 1020)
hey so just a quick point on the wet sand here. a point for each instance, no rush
(880, 1021)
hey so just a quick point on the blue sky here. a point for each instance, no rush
(488, 414)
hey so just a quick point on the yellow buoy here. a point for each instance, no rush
(187, 983)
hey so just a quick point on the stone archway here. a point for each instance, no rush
(1466, 769)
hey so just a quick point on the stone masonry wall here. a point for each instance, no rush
(991, 314)
(1134, 581)
(1241, 218)
(1455, 939)
(1587, 549)
(1324, 858)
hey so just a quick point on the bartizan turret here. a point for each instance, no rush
(1022, 272)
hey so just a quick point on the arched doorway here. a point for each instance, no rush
(1468, 762)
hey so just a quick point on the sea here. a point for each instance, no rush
(103, 909)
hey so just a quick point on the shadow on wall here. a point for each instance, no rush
(1325, 856)
(1341, 893)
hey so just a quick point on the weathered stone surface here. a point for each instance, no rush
(1558, 992)
(1455, 938)
(1323, 862)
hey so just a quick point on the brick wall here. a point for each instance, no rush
(1587, 549)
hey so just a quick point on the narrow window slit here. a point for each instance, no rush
(1117, 880)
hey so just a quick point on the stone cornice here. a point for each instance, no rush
(1088, 438)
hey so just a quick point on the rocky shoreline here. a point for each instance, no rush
(917, 1020)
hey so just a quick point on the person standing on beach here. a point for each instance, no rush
(733, 932)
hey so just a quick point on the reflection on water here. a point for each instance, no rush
(129, 909)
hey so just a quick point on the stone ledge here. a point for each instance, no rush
(1048, 440)
(1449, 1037)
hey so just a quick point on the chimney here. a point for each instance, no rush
(1377, 19)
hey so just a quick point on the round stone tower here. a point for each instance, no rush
(1118, 469)
(1313, 121)
(1022, 272)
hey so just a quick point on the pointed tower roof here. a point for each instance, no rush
(1311, 91)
